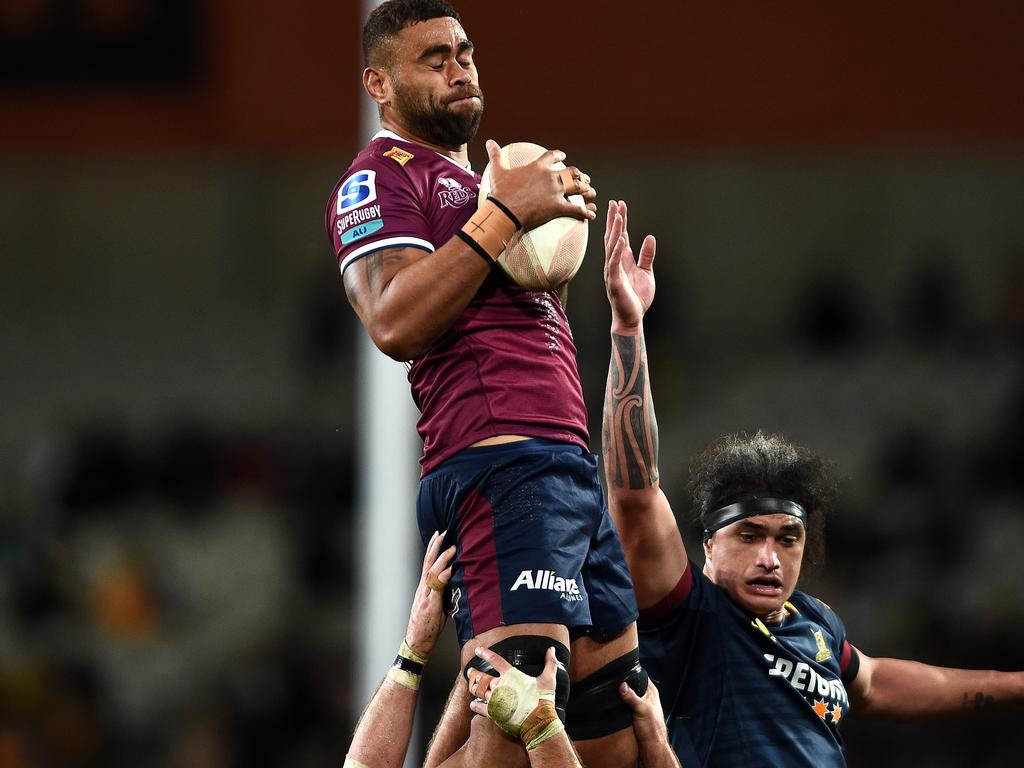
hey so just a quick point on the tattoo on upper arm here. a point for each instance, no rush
(351, 287)
(977, 702)
(630, 431)
(375, 264)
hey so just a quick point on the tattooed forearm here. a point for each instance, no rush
(978, 701)
(630, 431)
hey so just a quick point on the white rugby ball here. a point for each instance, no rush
(547, 256)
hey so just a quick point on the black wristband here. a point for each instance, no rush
(478, 248)
(408, 665)
(505, 210)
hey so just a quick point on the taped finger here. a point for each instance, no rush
(571, 181)
(435, 583)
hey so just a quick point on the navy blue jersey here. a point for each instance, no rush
(737, 692)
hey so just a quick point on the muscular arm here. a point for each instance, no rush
(382, 734)
(556, 752)
(901, 689)
(407, 298)
(453, 729)
(650, 537)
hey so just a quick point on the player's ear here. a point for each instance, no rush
(378, 85)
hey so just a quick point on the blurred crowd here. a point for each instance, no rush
(178, 600)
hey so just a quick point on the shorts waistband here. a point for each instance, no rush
(490, 454)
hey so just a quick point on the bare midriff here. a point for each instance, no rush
(499, 440)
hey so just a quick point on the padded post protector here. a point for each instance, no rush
(595, 707)
(527, 653)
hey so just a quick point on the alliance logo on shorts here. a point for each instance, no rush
(454, 194)
(547, 580)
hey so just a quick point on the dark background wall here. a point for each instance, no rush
(836, 194)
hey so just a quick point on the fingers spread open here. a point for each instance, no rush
(495, 660)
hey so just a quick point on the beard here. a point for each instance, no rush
(434, 120)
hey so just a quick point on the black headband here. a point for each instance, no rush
(749, 505)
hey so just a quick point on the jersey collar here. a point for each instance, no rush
(384, 133)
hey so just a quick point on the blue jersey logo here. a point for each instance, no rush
(358, 189)
(361, 231)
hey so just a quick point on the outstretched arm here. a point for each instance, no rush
(897, 688)
(650, 537)
(382, 734)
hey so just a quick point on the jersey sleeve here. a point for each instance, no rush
(375, 206)
(672, 600)
(668, 629)
(849, 661)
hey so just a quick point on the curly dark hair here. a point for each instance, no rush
(741, 463)
(391, 17)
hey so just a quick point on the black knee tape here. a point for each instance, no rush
(527, 653)
(595, 707)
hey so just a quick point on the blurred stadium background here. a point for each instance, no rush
(837, 194)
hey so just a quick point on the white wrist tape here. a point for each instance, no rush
(513, 699)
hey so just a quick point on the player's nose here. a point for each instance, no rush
(767, 557)
(459, 75)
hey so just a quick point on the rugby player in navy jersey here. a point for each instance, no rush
(506, 469)
(750, 670)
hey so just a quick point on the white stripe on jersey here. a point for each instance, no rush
(387, 242)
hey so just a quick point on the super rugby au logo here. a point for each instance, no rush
(454, 194)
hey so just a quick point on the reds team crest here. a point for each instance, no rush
(454, 194)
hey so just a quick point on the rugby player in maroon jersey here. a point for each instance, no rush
(506, 469)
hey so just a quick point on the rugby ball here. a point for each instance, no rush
(549, 255)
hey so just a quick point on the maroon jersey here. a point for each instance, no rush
(508, 364)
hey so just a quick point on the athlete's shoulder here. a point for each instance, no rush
(816, 610)
(811, 604)
(391, 155)
(378, 162)
(377, 171)
(403, 173)
(690, 592)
